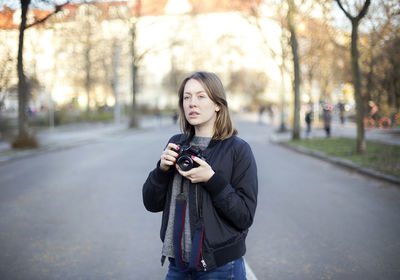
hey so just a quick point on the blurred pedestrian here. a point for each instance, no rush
(308, 119)
(327, 116)
(271, 113)
(260, 114)
(341, 112)
(175, 117)
(393, 118)
(208, 192)
(157, 115)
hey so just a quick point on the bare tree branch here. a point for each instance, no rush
(344, 11)
(363, 10)
(361, 13)
(57, 9)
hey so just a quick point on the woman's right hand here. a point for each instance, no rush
(169, 156)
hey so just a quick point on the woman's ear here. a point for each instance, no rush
(217, 108)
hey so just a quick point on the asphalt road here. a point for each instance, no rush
(77, 213)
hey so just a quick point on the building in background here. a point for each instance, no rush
(84, 53)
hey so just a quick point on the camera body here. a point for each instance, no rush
(185, 161)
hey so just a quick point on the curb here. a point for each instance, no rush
(341, 162)
(11, 155)
(21, 154)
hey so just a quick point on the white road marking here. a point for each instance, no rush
(249, 273)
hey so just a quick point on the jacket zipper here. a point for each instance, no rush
(203, 263)
(197, 202)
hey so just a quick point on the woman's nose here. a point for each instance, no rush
(193, 102)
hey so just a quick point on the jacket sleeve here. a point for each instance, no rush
(236, 201)
(155, 187)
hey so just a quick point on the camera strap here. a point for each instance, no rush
(197, 240)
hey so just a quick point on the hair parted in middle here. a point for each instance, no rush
(223, 126)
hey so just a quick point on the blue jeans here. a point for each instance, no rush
(232, 270)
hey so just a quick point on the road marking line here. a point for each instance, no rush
(249, 273)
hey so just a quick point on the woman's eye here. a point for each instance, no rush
(202, 96)
(185, 97)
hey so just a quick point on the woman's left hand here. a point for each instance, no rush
(199, 174)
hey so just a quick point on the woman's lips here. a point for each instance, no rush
(193, 114)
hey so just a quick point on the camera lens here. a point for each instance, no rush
(185, 163)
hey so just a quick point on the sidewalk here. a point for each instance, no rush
(68, 136)
(391, 137)
(348, 130)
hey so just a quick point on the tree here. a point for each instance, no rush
(7, 62)
(173, 78)
(250, 83)
(89, 40)
(288, 24)
(135, 60)
(296, 68)
(88, 55)
(391, 81)
(279, 56)
(137, 54)
(324, 61)
(24, 139)
(380, 60)
(356, 73)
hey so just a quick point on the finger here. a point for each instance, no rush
(185, 174)
(169, 159)
(172, 153)
(198, 160)
(172, 150)
(173, 146)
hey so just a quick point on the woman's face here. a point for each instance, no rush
(200, 110)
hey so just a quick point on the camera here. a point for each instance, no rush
(184, 160)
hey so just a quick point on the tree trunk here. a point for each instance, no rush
(88, 82)
(296, 68)
(23, 89)
(134, 121)
(133, 116)
(282, 127)
(115, 81)
(356, 75)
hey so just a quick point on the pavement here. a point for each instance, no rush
(69, 136)
(77, 213)
(391, 137)
(347, 130)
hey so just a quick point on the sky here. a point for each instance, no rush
(339, 19)
(14, 4)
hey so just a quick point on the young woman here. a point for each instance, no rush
(208, 194)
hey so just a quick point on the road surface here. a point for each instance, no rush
(77, 213)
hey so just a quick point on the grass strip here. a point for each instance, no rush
(379, 156)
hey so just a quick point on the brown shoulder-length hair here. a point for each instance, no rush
(223, 126)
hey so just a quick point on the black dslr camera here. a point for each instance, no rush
(184, 160)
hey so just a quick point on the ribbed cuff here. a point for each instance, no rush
(215, 185)
(162, 174)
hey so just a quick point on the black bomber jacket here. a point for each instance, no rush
(226, 204)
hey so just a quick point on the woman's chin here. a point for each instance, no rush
(194, 122)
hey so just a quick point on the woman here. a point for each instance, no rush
(208, 198)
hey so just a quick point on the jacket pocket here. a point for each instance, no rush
(218, 231)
